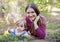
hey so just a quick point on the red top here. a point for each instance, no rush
(40, 31)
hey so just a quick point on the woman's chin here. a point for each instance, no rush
(32, 20)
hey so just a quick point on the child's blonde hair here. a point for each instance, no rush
(20, 21)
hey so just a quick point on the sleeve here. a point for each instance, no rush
(41, 31)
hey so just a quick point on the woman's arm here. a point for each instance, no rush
(41, 30)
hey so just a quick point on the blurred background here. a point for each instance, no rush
(12, 10)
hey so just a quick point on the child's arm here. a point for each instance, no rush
(10, 30)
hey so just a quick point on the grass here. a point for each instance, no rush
(53, 26)
(8, 37)
(57, 34)
(53, 31)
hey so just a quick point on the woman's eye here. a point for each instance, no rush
(32, 12)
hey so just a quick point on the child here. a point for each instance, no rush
(19, 30)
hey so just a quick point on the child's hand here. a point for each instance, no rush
(9, 30)
(29, 33)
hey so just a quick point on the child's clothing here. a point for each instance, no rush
(15, 33)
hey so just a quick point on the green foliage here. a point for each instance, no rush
(2, 39)
(16, 39)
(7, 1)
(8, 37)
(31, 1)
(57, 34)
(3, 8)
(57, 5)
(42, 4)
(5, 38)
(6, 7)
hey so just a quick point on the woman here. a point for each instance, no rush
(36, 23)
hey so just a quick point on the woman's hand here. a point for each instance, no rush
(35, 22)
(36, 19)
(29, 33)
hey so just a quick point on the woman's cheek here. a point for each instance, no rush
(33, 15)
(27, 15)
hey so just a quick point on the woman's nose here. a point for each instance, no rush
(30, 14)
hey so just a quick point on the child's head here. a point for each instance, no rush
(20, 23)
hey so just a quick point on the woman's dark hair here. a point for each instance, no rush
(32, 5)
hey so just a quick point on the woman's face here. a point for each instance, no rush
(31, 14)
